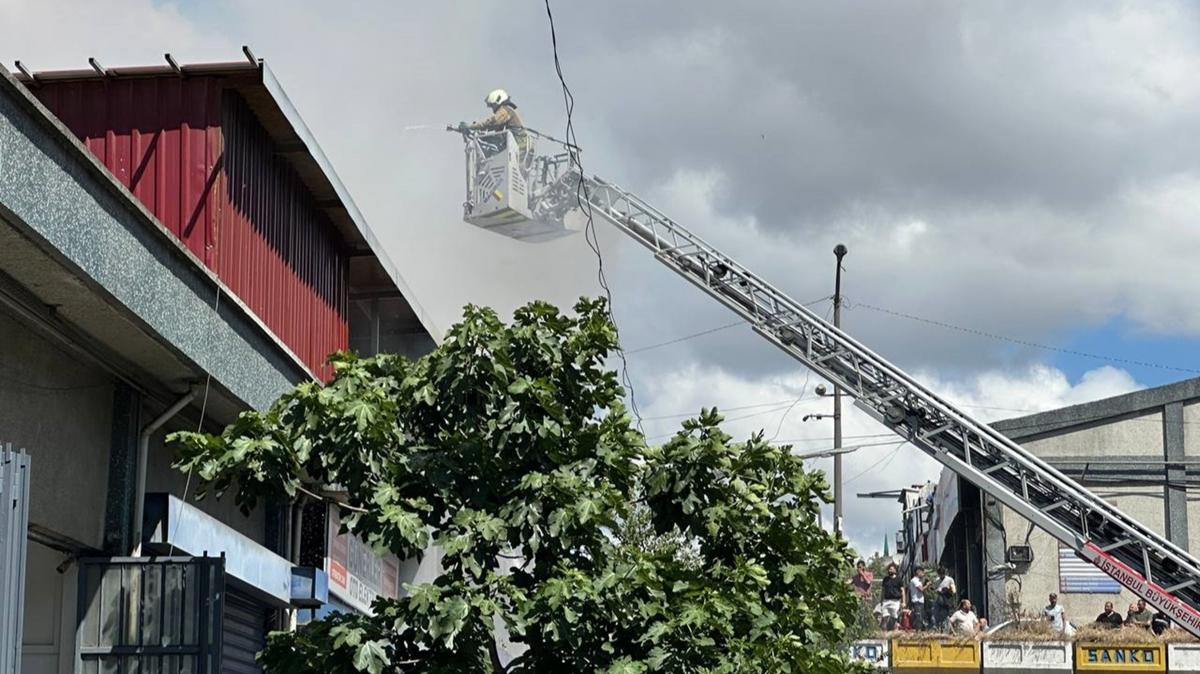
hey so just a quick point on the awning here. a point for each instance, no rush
(171, 523)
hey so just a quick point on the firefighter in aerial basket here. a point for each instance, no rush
(504, 117)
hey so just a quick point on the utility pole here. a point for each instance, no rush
(839, 252)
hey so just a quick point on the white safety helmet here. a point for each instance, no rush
(497, 98)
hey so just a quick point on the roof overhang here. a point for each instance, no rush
(295, 143)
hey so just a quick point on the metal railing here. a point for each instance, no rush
(14, 525)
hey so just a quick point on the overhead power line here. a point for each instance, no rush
(886, 457)
(1022, 342)
(685, 338)
(709, 331)
(685, 415)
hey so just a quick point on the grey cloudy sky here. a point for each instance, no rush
(1021, 168)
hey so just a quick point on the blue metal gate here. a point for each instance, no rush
(14, 523)
(150, 615)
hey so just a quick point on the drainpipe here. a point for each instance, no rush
(139, 494)
(295, 529)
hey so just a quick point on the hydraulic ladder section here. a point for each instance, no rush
(1140, 559)
(1151, 566)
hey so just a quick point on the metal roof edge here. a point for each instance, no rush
(275, 89)
(1123, 405)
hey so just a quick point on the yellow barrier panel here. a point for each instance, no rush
(1092, 657)
(921, 657)
(960, 655)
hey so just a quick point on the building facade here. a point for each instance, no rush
(1139, 451)
(174, 249)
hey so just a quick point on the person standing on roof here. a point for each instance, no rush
(916, 599)
(947, 593)
(1055, 614)
(893, 599)
(1109, 618)
(504, 117)
(861, 581)
(1139, 615)
(964, 621)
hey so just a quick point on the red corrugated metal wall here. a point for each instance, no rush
(275, 236)
(192, 152)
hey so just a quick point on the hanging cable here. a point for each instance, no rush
(187, 485)
(786, 406)
(885, 457)
(583, 199)
(688, 415)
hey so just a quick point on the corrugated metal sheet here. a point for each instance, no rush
(160, 137)
(243, 634)
(1079, 575)
(190, 150)
(279, 251)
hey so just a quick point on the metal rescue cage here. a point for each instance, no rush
(14, 522)
(516, 191)
(150, 615)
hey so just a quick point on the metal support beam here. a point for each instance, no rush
(1175, 491)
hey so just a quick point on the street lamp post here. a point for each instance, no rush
(839, 252)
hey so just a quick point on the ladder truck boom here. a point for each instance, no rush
(551, 188)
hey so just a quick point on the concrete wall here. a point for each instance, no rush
(1139, 436)
(161, 477)
(1138, 432)
(1191, 428)
(1042, 578)
(59, 409)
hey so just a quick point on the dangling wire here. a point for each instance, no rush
(583, 199)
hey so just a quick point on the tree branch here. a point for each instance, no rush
(347, 506)
(497, 666)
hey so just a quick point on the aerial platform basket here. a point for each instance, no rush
(514, 191)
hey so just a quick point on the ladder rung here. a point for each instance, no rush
(929, 434)
(1053, 506)
(991, 469)
(1180, 586)
(828, 356)
(1113, 546)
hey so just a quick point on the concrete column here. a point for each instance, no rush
(122, 465)
(995, 542)
(1175, 489)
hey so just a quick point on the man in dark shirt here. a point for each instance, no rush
(1110, 618)
(1160, 623)
(893, 599)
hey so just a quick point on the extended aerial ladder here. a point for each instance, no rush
(530, 196)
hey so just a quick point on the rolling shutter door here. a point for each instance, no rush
(243, 634)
